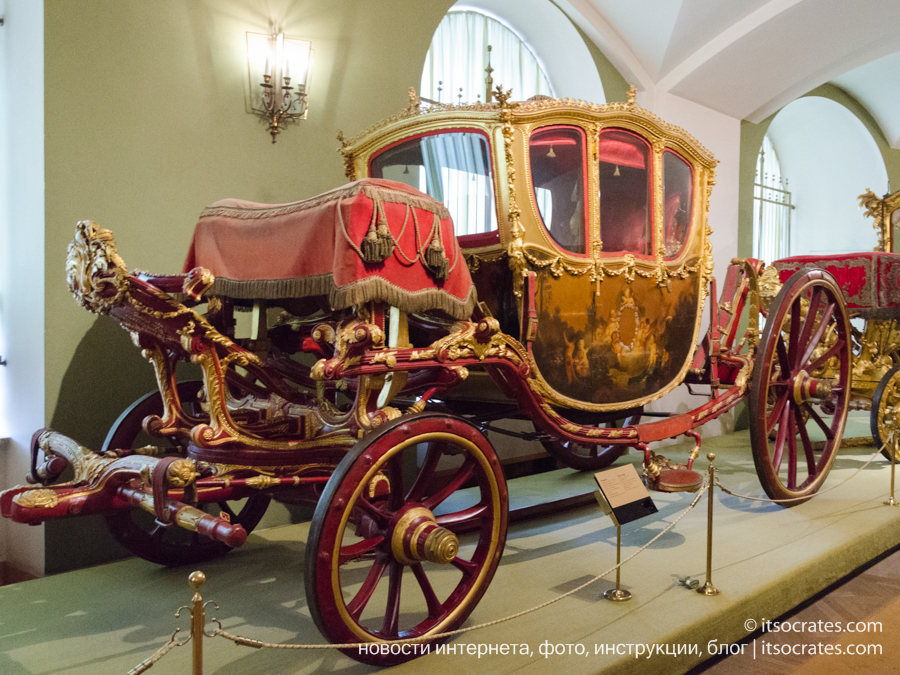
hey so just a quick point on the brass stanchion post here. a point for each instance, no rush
(893, 441)
(708, 588)
(617, 594)
(198, 620)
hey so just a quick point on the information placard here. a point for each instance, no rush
(625, 493)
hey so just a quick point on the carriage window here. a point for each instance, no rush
(625, 218)
(678, 188)
(557, 175)
(453, 168)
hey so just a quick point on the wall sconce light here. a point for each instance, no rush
(278, 68)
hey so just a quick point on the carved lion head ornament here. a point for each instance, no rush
(95, 273)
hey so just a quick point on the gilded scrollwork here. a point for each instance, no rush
(37, 499)
(881, 211)
(95, 273)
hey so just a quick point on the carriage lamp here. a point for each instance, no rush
(278, 68)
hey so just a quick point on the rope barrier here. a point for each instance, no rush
(147, 663)
(807, 497)
(258, 644)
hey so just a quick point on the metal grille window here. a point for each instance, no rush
(771, 207)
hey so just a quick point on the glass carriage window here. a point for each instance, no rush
(678, 188)
(451, 167)
(557, 175)
(625, 219)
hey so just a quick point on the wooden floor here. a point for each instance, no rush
(872, 596)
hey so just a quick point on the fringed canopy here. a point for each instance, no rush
(368, 240)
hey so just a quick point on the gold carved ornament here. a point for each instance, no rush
(881, 210)
(95, 273)
(515, 250)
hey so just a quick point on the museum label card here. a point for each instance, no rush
(624, 491)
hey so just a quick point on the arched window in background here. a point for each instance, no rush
(771, 207)
(455, 65)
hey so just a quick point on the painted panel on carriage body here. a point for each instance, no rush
(624, 344)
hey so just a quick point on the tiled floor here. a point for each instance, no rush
(869, 600)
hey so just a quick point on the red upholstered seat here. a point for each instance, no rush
(315, 247)
(870, 280)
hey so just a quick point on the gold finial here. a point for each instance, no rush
(414, 101)
(489, 81)
(632, 92)
(197, 579)
(503, 97)
(341, 139)
(710, 456)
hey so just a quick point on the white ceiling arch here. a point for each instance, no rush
(749, 58)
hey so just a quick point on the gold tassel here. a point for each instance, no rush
(378, 244)
(435, 259)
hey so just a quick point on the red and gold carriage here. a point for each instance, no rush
(347, 360)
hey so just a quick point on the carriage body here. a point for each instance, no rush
(606, 206)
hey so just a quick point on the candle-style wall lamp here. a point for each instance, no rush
(278, 68)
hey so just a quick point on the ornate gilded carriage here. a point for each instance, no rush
(359, 382)
(592, 218)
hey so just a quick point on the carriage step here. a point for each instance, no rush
(678, 480)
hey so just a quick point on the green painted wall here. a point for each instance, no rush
(147, 123)
(615, 87)
(751, 141)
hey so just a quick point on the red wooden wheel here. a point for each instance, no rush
(138, 530)
(801, 381)
(421, 502)
(590, 457)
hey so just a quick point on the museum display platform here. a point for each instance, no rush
(766, 560)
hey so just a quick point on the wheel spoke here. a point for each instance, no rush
(435, 609)
(817, 336)
(426, 473)
(394, 467)
(810, 321)
(462, 518)
(818, 420)
(390, 627)
(362, 597)
(807, 444)
(365, 505)
(792, 453)
(781, 350)
(469, 568)
(779, 440)
(777, 410)
(466, 471)
(794, 335)
(354, 551)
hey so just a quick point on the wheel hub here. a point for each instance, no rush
(416, 537)
(807, 387)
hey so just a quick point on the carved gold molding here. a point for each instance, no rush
(881, 211)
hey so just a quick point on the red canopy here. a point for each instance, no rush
(870, 281)
(316, 247)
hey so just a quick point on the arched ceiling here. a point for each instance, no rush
(749, 58)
